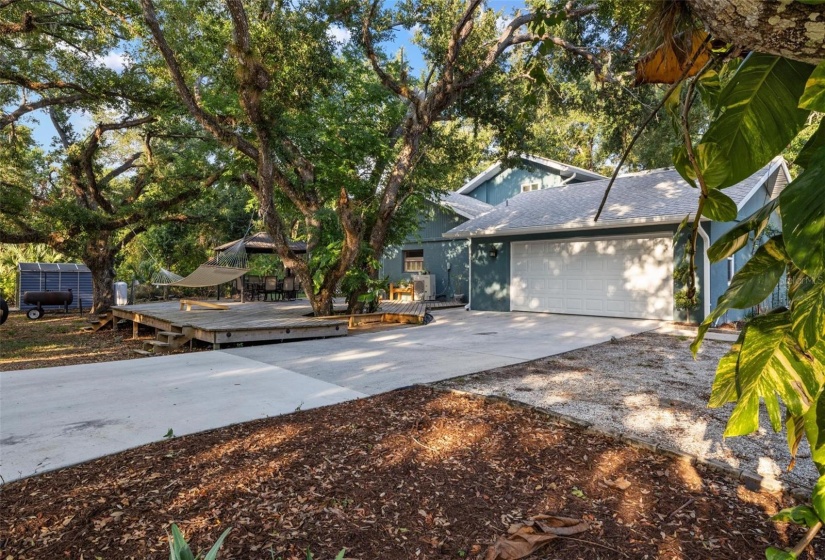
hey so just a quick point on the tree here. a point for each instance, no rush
(260, 80)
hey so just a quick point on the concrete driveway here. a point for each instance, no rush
(54, 417)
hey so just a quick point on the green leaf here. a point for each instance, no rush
(710, 86)
(818, 498)
(213, 552)
(802, 207)
(801, 515)
(341, 553)
(758, 113)
(808, 313)
(813, 97)
(815, 431)
(682, 164)
(724, 384)
(795, 431)
(681, 228)
(816, 141)
(771, 364)
(773, 553)
(738, 237)
(178, 547)
(751, 285)
(712, 163)
(719, 207)
(812, 2)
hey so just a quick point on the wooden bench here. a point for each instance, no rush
(188, 304)
(400, 291)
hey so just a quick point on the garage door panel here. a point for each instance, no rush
(630, 277)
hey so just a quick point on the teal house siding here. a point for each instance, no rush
(507, 184)
(447, 259)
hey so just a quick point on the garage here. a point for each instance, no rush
(609, 277)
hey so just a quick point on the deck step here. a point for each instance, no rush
(142, 352)
(170, 334)
(156, 343)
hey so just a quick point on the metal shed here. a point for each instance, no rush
(37, 277)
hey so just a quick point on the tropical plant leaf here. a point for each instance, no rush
(818, 498)
(815, 431)
(816, 141)
(213, 552)
(758, 114)
(795, 431)
(178, 547)
(773, 553)
(771, 364)
(664, 65)
(808, 313)
(801, 515)
(813, 97)
(681, 228)
(802, 207)
(749, 286)
(683, 166)
(712, 163)
(724, 384)
(710, 86)
(737, 237)
(719, 207)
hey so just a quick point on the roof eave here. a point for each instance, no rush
(629, 222)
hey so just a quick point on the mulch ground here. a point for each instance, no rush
(416, 473)
(59, 340)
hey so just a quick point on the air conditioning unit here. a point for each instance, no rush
(424, 286)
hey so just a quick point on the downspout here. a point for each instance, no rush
(470, 275)
(706, 272)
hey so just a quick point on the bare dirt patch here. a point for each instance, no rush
(58, 340)
(650, 386)
(416, 473)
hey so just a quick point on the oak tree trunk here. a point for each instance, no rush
(785, 28)
(99, 256)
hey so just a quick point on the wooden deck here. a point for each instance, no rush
(240, 322)
(265, 321)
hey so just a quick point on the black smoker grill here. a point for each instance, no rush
(46, 298)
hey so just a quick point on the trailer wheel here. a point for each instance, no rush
(34, 314)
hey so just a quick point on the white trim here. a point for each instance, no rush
(470, 274)
(775, 164)
(566, 227)
(480, 178)
(706, 272)
(562, 167)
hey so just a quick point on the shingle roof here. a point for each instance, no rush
(565, 170)
(464, 205)
(659, 195)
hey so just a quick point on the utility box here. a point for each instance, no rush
(121, 293)
(54, 277)
(424, 286)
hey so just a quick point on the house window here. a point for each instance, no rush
(414, 260)
(527, 187)
(731, 269)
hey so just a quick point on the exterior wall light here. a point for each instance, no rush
(493, 252)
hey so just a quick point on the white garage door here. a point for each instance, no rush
(618, 277)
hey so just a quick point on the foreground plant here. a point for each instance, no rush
(768, 103)
(179, 548)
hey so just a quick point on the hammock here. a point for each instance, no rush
(224, 267)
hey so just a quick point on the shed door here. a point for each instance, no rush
(615, 277)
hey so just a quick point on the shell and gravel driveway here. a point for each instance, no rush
(649, 386)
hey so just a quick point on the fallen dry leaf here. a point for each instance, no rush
(621, 483)
(525, 538)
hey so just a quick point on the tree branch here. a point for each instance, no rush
(119, 170)
(209, 122)
(401, 89)
(26, 108)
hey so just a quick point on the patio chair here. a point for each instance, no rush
(253, 288)
(289, 291)
(272, 288)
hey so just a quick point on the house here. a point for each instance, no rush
(447, 259)
(540, 250)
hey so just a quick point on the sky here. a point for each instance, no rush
(44, 132)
